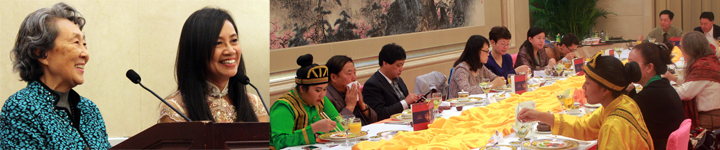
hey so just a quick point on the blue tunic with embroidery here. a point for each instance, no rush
(30, 119)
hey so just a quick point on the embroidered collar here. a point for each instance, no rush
(216, 92)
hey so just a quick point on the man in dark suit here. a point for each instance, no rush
(385, 91)
(708, 26)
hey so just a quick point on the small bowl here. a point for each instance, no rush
(459, 108)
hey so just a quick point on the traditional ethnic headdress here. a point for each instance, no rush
(613, 81)
(309, 73)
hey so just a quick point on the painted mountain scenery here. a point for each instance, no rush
(307, 22)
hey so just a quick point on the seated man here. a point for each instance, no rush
(708, 26)
(563, 50)
(385, 91)
(665, 31)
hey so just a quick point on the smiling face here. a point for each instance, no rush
(66, 60)
(314, 94)
(538, 41)
(226, 55)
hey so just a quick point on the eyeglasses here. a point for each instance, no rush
(503, 44)
(487, 51)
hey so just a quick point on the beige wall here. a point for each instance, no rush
(634, 18)
(141, 35)
(638, 17)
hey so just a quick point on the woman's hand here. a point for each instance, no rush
(523, 68)
(324, 125)
(670, 76)
(499, 81)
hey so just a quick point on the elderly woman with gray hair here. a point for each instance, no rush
(50, 54)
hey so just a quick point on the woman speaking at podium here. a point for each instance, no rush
(208, 63)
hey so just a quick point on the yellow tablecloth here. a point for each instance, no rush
(474, 127)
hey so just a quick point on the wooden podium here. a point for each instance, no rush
(201, 135)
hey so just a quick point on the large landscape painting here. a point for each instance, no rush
(307, 22)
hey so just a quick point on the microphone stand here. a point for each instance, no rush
(166, 103)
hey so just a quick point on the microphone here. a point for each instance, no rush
(135, 78)
(243, 79)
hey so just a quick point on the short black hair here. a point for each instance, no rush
(499, 32)
(391, 53)
(708, 15)
(569, 39)
(336, 63)
(667, 12)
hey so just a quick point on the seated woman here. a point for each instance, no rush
(499, 61)
(659, 103)
(299, 116)
(50, 53)
(532, 53)
(207, 71)
(469, 70)
(347, 101)
(563, 50)
(702, 80)
(618, 124)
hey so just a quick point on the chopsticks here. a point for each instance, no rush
(325, 116)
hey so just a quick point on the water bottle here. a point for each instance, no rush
(557, 38)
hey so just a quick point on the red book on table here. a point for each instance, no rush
(519, 83)
(578, 63)
(422, 115)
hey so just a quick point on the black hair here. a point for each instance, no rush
(306, 63)
(532, 32)
(471, 54)
(670, 14)
(707, 15)
(612, 70)
(569, 39)
(657, 54)
(197, 43)
(391, 53)
(499, 32)
(336, 63)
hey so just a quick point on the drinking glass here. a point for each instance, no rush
(436, 97)
(355, 127)
(522, 130)
(486, 85)
(345, 122)
(559, 70)
(672, 69)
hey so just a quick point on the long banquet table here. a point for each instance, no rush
(470, 128)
